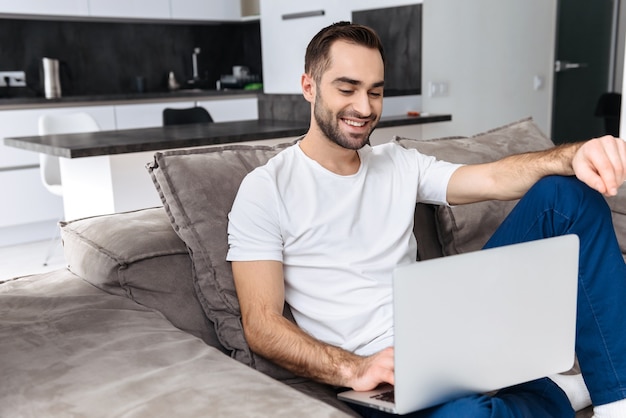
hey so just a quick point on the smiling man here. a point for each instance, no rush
(323, 224)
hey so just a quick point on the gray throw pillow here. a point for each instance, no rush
(198, 187)
(468, 227)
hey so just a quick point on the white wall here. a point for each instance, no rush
(488, 52)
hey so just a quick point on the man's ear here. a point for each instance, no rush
(308, 87)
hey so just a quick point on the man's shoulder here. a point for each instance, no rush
(278, 161)
(389, 148)
(391, 151)
(274, 165)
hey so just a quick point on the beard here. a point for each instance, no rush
(329, 125)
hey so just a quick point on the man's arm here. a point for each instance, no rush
(260, 289)
(600, 163)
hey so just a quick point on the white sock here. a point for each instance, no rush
(574, 387)
(615, 409)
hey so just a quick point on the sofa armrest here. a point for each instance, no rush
(138, 255)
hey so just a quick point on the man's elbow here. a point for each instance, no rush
(257, 329)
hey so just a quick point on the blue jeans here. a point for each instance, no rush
(557, 206)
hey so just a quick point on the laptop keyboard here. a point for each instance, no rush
(387, 396)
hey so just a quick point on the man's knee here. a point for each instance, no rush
(569, 192)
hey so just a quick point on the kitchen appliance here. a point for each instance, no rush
(239, 79)
(51, 78)
(240, 71)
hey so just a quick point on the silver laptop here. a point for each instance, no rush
(478, 322)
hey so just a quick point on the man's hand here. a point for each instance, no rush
(601, 164)
(374, 370)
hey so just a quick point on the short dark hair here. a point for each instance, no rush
(317, 58)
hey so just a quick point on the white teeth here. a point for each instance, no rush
(354, 123)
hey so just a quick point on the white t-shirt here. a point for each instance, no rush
(338, 237)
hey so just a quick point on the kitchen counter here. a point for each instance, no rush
(104, 172)
(39, 102)
(180, 136)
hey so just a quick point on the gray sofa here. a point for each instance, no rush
(145, 321)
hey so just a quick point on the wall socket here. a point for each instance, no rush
(15, 78)
(437, 89)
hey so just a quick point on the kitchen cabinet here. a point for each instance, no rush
(144, 9)
(230, 110)
(33, 210)
(30, 210)
(213, 10)
(45, 7)
(144, 115)
(285, 36)
(24, 122)
(167, 10)
(288, 26)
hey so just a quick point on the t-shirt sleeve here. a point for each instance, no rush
(434, 176)
(253, 223)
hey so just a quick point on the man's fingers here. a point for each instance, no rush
(614, 150)
(588, 175)
(601, 164)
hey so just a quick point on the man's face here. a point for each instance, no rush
(349, 96)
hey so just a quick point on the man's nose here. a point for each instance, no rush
(363, 105)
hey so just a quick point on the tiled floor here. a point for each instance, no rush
(25, 259)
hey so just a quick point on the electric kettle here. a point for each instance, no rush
(51, 78)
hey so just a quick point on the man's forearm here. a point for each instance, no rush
(516, 174)
(281, 341)
(511, 177)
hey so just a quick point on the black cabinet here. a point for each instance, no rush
(400, 30)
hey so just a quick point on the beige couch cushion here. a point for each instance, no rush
(70, 350)
(468, 227)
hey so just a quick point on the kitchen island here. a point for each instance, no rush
(104, 172)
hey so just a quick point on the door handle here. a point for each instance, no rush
(561, 65)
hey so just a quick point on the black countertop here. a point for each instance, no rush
(180, 136)
(192, 94)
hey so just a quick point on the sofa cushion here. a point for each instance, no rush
(198, 187)
(618, 211)
(138, 255)
(468, 227)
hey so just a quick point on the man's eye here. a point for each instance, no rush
(345, 91)
(375, 94)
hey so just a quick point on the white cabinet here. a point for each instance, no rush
(144, 115)
(206, 10)
(26, 200)
(286, 29)
(45, 7)
(30, 210)
(191, 10)
(24, 122)
(230, 110)
(144, 9)
(213, 10)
